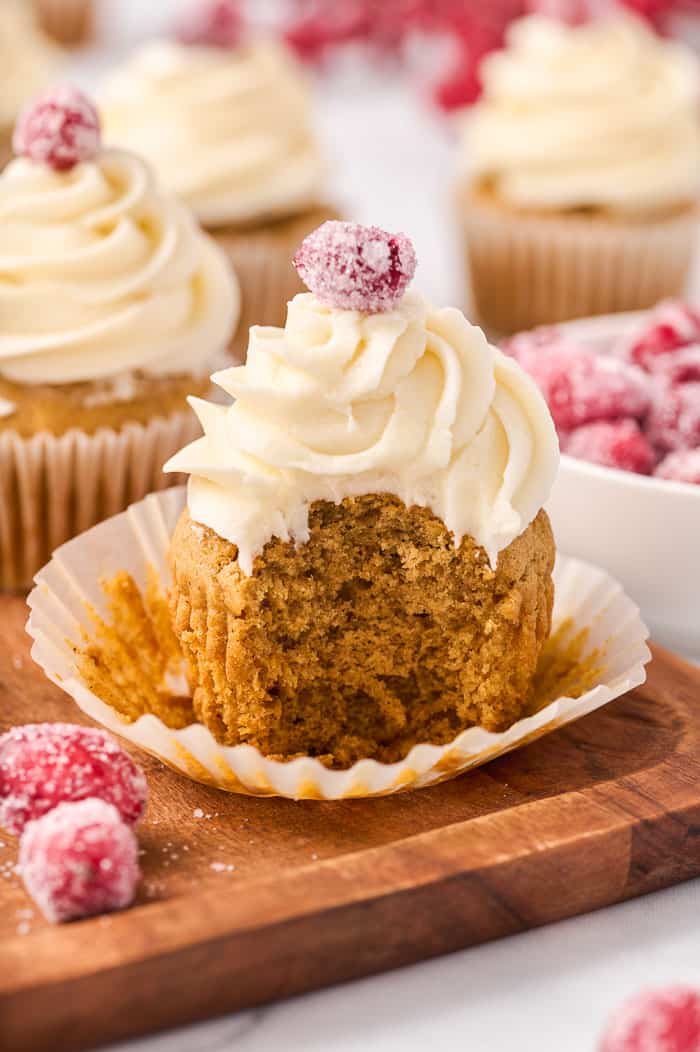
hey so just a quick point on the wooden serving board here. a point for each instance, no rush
(246, 900)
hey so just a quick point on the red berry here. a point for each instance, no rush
(674, 418)
(78, 860)
(669, 327)
(211, 23)
(356, 267)
(578, 385)
(614, 444)
(45, 764)
(657, 1021)
(678, 367)
(682, 466)
(61, 128)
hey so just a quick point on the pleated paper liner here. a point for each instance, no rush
(558, 267)
(100, 629)
(53, 487)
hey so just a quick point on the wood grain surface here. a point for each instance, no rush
(247, 900)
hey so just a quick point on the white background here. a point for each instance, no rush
(545, 991)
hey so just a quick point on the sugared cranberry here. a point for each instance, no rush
(356, 267)
(78, 860)
(573, 12)
(668, 327)
(211, 23)
(678, 367)
(657, 1021)
(682, 466)
(612, 443)
(61, 129)
(579, 386)
(674, 418)
(45, 764)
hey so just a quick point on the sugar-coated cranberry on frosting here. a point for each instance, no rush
(355, 267)
(46, 764)
(210, 23)
(79, 860)
(61, 128)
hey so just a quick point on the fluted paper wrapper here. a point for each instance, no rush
(55, 487)
(534, 270)
(137, 541)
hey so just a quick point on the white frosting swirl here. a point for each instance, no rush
(228, 130)
(27, 58)
(602, 115)
(101, 274)
(412, 402)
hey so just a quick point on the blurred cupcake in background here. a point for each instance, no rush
(115, 307)
(69, 22)
(226, 120)
(581, 172)
(27, 61)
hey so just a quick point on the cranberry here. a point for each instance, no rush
(356, 267)
(78, 860)
(681, 466)
(657, 1021)
(612, 443)
(45, 764)
(211, 23)
(674, 419)
(579, 386)
(61, 128)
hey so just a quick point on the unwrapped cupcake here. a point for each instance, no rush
(581, 172)
(27, 62)
(226, 121)
(364, 563)
(113, 306)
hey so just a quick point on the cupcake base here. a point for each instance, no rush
(74, 454)
(68, 22)
(529, 269)
(78, 622)
(372, 636)
(261, 256)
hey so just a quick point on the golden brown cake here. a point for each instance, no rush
(373, 636)
(579, 185)
(364, 563)
(69, 22)
(115, 308)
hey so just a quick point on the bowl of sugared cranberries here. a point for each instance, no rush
(624, 393)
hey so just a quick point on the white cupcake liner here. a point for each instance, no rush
(136, 542)
(528, 270)
(55, 487)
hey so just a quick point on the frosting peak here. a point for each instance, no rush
(602, 114)
(411, 401)
(229, 131)
(102, 274)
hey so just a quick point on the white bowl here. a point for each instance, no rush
(644, 531)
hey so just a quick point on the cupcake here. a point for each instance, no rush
(114, 305)
(579, 188)
(226, 122)
(27, 60)
(364, 563)
(69, 22)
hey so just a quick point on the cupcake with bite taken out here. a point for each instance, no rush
(364, 563)
(226, 121)
(113, 306)
(581, 172)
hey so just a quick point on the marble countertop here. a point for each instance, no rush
(544, 991)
